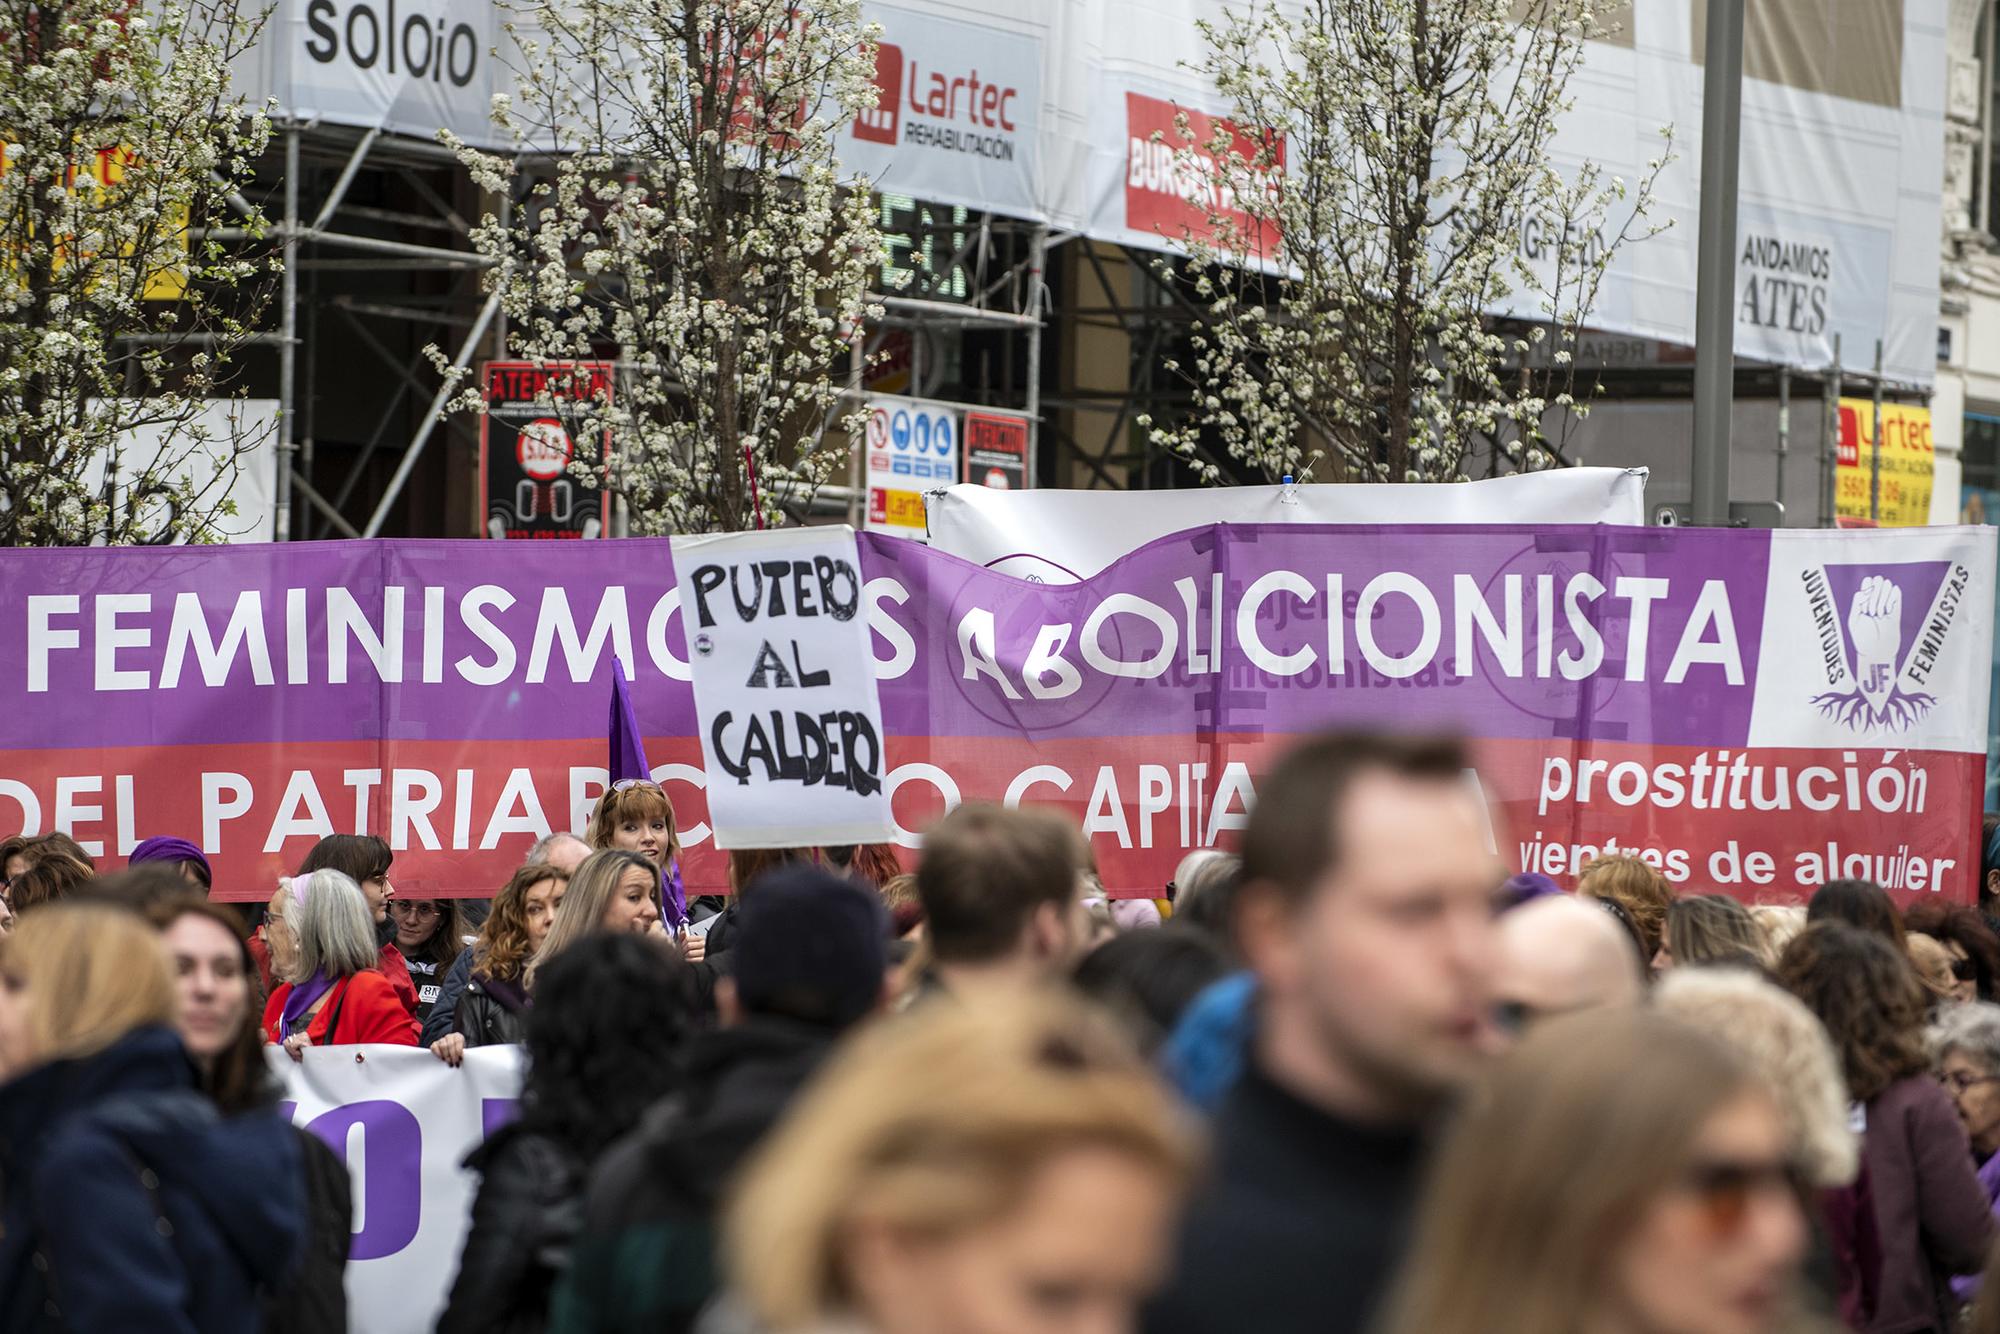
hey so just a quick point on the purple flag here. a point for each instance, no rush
(628, 765)
(628, 751)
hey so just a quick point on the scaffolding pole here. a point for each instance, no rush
(429, 427)
(1038, 253)
(288, 349)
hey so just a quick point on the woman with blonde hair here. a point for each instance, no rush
(130, 1203)
(1778, 1035)
(1778, 924)
(611, 891)
(1620, 1171)
(1635, 886)
(959, 1168)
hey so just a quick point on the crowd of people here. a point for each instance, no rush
(1355, 1076)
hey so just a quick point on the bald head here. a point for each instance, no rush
(564, 851)
(1559, 954)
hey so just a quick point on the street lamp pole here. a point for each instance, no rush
(1715, 264)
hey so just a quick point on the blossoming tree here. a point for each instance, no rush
(676, 204)
(120, 315)
(1365, 203)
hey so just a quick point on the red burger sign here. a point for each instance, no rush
(1171, 187)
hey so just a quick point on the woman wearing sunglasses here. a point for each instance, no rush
(1620, 1172)
(1931, 1217)
(427, 935)
(1974, 949)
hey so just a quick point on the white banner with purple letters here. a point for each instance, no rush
(403, 1122)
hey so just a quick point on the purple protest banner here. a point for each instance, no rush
(1755, 711)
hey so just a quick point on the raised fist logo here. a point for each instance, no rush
(1875, 636)
(1875, 629)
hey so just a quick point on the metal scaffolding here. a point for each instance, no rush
(348, 200)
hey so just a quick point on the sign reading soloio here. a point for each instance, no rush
(411, 66)
(1758, 712)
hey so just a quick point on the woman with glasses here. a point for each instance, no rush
(1931, 1217)
(1768, 1027)
(427, 936)
(365, 859)
(965, 1168)
(330, 991)
(1965, 1051)
(1621, 1171)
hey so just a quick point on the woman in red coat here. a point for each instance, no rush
(323, 954)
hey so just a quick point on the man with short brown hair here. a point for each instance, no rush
(1366, 912)
(1001, 895)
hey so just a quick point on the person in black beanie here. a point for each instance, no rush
(809, 960)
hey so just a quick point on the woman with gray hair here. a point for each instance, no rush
(324, 957)
(1965, 1053)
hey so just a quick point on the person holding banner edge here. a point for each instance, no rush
(331, 992)
(494, 1008)
(563, 852)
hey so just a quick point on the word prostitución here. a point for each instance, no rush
(784, 687)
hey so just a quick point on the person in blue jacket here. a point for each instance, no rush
(127, 1202)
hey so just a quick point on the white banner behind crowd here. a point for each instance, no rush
(1046, 109)
(1060, 537)
(403, 1121)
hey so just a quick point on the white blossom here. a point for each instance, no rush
(675, 202)
(1379, 169)
(121, 135)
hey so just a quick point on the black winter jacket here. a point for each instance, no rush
(314, 1300)
(438, 1023)
(1300, 1226)
(127, 1202)
(487, 1016)
(523, 1221)
(645, 1259)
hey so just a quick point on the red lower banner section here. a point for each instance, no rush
(1766, 824)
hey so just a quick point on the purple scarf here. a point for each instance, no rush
(304, 994)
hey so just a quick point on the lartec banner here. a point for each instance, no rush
(1757, 711)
